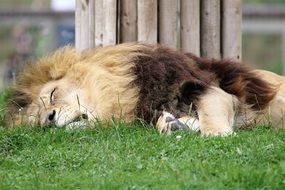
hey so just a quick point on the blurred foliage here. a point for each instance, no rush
(25, 3)
(18, 49)
(17, 2)
(263, 1)
(5, 39)
(263, 51)
(8, 44)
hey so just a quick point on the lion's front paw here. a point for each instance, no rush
(223, 132)
(163, 123)
(167, 123)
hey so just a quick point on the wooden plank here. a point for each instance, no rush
(283, 53)
(231, 29)
(128, 20)
(168, 15)
(147, 21)
(99, 23)
(84, 25)
(110, 22)
(91, 32)
(210, 28)
(78, 25)
(190, 26)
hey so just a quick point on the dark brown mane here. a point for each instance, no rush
(161, 73)
(239, 79)
(173, 81)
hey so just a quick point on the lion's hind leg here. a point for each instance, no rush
(167, 123)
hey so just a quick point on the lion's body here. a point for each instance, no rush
(274, 113)
(131, 81)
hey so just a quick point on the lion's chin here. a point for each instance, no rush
(75, 125)
(78, 122)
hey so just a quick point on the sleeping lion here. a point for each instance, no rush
(171, 89)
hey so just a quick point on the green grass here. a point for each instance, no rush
(132, 156)
(135, 157)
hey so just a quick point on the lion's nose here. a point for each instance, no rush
(84, 116)
(51, 117)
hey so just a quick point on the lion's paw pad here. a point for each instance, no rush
(167, 123)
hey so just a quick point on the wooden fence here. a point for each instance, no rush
(210, 28)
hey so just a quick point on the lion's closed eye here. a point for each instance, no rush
(52, 96)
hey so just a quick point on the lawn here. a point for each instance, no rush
(133, 156)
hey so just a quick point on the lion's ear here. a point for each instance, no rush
(191, 90)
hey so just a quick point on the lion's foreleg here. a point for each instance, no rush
(216, 112)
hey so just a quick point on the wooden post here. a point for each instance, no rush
(128, 21)
(110, 22)
(147, 21)
(231, 29)
(91, 32)
(84, 29)
(283, 53)
(168, 31)
(77, 24)
(99, 23)
(190, 26)
(210, 29)
(84, 25)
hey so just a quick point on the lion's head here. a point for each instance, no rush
(68, 86)
(45, 94)
(59, 103)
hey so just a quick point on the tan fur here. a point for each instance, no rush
(274, 114)
(216, 111)
(83, 79)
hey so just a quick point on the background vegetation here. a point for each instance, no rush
(263, 1)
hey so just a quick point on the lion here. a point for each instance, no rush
(170, 89)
